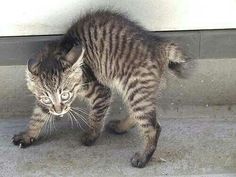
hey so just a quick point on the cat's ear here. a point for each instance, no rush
(33, 66)
(75, 55)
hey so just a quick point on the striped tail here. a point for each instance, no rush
(178, 62)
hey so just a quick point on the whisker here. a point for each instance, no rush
(50, 125)
(71, 120)
(53, 123)
(76, 120)
(45, 122)
(50, 121)
(81, 110)
(82, 118)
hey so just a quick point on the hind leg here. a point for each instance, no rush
(120, 126)
(141, 101)
(150, 129)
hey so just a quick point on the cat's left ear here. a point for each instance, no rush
(75, 55)
(33, 64)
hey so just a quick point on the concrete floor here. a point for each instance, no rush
(191, 146)
(196, 141)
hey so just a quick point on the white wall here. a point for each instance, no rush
(30, 17)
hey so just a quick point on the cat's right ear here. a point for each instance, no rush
(33, 66)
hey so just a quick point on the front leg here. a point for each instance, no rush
(36, 123)
(99, 98)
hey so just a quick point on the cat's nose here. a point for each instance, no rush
(58, 109)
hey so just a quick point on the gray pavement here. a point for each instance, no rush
(198, 137)
(191, 146)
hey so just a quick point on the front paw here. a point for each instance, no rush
(138, 160)
(89, 139)
(22, 140)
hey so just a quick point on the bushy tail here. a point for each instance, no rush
(178, 62)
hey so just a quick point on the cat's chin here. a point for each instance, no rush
(60, 114)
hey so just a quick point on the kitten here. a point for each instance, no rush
(102, 51)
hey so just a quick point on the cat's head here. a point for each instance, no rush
(54, 77)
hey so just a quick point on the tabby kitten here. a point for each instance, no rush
(102, 51)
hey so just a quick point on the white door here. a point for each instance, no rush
(44, 17)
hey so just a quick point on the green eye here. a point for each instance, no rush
(65, 96)
(46, 100)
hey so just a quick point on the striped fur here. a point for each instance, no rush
(118, 54)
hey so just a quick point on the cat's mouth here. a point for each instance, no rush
(58, 114)
(61, 114)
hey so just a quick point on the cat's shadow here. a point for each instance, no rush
(65, 131)
(61, 132)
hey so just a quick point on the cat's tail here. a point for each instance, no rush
(178, 62)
